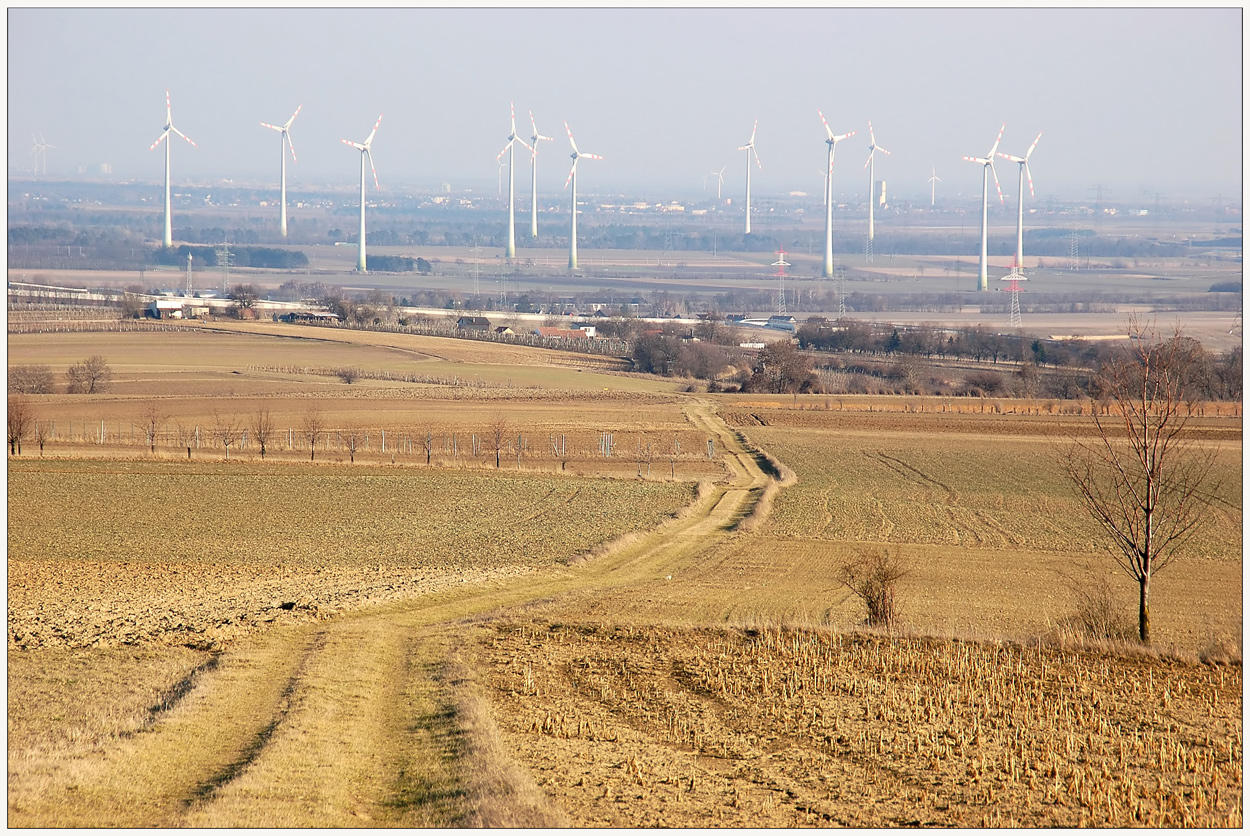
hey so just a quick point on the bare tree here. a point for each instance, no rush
(1142, 478)
(498, 434)
(43, 432)
(262, 429)
(873, 577)
(89, 377)
(21, 417)
(427, 444)
(227, 430)
(352, 436)
(312, 428)
(31, 380)
(153, 417)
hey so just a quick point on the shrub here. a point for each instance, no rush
(873, 577)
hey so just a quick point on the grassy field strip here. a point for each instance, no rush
(151, 778)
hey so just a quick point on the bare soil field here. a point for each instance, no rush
(130, 552)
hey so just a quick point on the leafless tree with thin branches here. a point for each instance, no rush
(153, 417)
(21, 417)
(498, 434)
(227, 429)
(1142, 477)
(262, 429)
(312, 428)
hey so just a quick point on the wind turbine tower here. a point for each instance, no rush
(750, 149)
(572, 178)
(987, 166)
(933, 181)
(169, 128)
(873, 148)
(832, 142)
(284, 142)
(1023, 163)
(534, 138)
(510, 150)
(363, 148)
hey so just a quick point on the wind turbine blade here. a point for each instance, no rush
(499, 156)
(1031, 147)
(591, 156)
(273, 127)
(757, 158)
(184, 136)
(293, 115)
(534, 125)
(882, 150)
(290, 145)
(571, 142)
(1001, 199)
(1029, 175)
(355, 145)
(1000, 139)
(828, 130)
(169, 110)
(753, 128)
(369, 154)
(159, 139)
(524, 143)
(374, 131)
(569, 179)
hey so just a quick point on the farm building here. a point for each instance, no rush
(164, 308)
(309, 316)
(562, 333)
(473, 323)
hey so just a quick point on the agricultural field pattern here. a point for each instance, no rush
(503, 586)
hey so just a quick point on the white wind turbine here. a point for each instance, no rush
(933, 181)
(572, 178)
(284, 142)
(873, 148)
(987, 166)
(169, 128)
(750, 149)
(363, 148)
(832, 142)
(40, 153)
(1024, 169)
(720, 179)
(509, 149)
(534, 138)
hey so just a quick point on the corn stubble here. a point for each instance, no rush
(783, 727)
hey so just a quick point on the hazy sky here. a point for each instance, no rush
(1143, 101)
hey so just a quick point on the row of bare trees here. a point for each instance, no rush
(88, 377)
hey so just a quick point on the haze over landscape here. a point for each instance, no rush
(1140, 101)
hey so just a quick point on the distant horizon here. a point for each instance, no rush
(666, 100)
